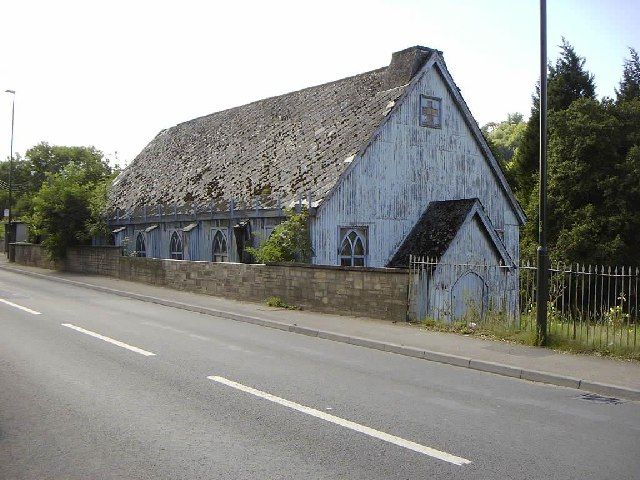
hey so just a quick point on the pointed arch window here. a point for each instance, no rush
(141, 248)
(353, 247)
(175, 247)
(220, 252)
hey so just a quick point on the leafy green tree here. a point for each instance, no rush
(504, 138)
(61, 211)
(629, 87)
(68, 209)
(30, 172)
(567, 81)
(594, 168)
(593, 184)
(22, 185)
(47, 159)
(289, 242)
(96, 225)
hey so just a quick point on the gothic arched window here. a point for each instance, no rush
(175, 246)
(353, 247)
(141, 248)
(220, 251)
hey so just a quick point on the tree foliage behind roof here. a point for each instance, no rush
(594, 186)
(504, 138)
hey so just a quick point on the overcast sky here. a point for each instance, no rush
(113, 74)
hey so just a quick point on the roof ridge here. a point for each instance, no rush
(273, 97)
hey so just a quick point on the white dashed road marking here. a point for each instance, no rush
(15, 305)
(401, 442)
(110, 340)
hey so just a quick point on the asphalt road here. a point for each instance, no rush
(96, 386)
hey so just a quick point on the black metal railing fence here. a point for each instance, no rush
(591, 305)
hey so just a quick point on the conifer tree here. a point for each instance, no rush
(567, 81)
(630, 83)
(593, 166)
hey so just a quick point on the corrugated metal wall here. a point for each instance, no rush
(197, 242)
(404, 169)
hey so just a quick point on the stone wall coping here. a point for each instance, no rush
(98, 247)
(400, 271)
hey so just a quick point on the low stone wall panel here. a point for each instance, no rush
(33, 256)
(376, 293)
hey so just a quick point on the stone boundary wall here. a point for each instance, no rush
(32, 255)
(368, 292)
(102, 260)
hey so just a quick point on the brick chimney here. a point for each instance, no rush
(405, 64)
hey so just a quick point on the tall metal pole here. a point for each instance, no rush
(13, 111)
(542, 278)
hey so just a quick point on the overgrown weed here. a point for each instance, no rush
(277, 302)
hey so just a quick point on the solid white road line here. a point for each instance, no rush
(110, 340)
(401, 442)
(11, 304)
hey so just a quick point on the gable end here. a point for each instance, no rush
(479, 138)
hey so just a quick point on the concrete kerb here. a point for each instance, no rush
(310, 332)
(497, 368)
(544, 377)
(480, 365)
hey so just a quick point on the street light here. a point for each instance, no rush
(542, 277)
(13, 111)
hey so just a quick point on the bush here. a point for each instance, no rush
(68, 210)
(289, 241)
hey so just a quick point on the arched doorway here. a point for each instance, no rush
(468, 297)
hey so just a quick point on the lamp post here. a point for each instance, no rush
(542, 277)
(13, 111)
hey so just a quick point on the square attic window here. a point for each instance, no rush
(430, 112)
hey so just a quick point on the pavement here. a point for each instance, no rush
(98, 385)
(606, 376)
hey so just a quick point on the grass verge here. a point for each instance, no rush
(589, 339)
(490, 330)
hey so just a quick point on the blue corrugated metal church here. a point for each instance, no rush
(389, 162)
